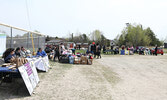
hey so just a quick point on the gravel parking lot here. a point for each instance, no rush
(117, 77)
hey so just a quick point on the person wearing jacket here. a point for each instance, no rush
(23, 52)
(98, 50)
(18, 52)
(61, 48)
(41, 53)
(57, 54)
(156, 49)
(8, 55)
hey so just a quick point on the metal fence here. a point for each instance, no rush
(17, 37)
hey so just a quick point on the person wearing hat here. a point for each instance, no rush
(94, 49)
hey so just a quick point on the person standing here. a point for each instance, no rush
(104, 48)
(61, 48)
(94, 50)
(98, 51)
(56, 53)
(79, 46)
(156, 48)
(72, 47)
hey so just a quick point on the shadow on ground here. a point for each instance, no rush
(14, 89)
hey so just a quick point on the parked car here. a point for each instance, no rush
(159, 51)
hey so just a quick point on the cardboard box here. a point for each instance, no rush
(13, 60)
(84, 60)
(77, 60)
(18, 62)
(24, 60)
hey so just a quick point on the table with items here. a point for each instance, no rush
(25, 68)
(79, 58)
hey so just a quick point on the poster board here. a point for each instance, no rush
(46, 61)
(40, 65)
(30, 76)
(2, 43)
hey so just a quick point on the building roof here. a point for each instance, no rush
(56, 41)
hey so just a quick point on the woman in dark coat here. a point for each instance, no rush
(17, 52)
(57, 54)
(156, 48)
(8, 55)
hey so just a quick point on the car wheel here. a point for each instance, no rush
(162, 54)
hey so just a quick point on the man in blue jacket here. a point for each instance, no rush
(41, 53)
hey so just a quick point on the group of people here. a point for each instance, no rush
(131, 50)
(56, 51)
(53, 52)
(143, 51)
(11, 53)
(20, 52)
(95, 49)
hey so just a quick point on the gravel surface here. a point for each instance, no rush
(110, 78)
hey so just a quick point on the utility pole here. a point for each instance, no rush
(72, 37)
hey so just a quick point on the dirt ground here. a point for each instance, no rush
(110, 78)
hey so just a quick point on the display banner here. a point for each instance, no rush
(2, 43)
(29, 75)
(40, 65)
(46, 61)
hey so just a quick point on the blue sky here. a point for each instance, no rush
(60, 17)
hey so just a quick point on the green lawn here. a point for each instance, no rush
(165, 50)
(80, 51)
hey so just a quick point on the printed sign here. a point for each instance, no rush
(29, 75)
(46, 61)
(40, 65)
(35, 72)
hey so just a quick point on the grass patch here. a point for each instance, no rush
(80, 51)
(110, 76)
(165, 50)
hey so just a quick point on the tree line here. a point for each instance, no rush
(132, 35)
(96, 36)
(135, 35)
